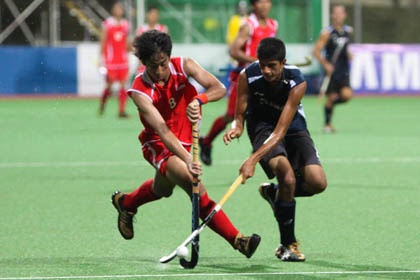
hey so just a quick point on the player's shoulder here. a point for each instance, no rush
(253, 70)
(292, 69)
(328, 30)
(348, 28)
(292, 72)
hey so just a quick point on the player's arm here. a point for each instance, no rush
(317, 52)
(236, 49)
(237, 126)
(214, 89)
(152, 116)
(290, 108)
(102, 47)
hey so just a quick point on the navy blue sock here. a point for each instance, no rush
(285, 215)
(328, 115)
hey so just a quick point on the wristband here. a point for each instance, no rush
(202, 99)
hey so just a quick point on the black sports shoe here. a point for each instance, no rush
(247, 244)
(125, 218)
(205, 152)
(268, 192)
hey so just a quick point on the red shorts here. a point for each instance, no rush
(157, 154)
(233, 88)
(113, 75)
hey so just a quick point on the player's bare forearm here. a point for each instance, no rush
(215, 90)
(286, 118)
(152, 116)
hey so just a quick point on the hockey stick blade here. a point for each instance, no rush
(204, 223)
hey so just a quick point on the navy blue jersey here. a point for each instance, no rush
(266, 101)
(341, 63)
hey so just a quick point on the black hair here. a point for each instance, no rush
(152, 8)
(271, 49)
(252, 2)
(150, 43)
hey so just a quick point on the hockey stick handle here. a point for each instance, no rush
(195, 136)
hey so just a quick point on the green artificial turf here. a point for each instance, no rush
(60, 163)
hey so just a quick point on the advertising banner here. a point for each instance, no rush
(384, 69)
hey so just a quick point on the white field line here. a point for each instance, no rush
(142, 162)
(233, 275)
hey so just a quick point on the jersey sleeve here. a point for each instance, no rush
(294, 76)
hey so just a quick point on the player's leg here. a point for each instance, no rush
(177, 172)
(105, 94)
(285, 209)
(345, 95)
(328, 112)
(304, 158)
(123, 96)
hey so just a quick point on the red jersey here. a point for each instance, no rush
(115, 49)
(146, 27)
(171, 100)
(258, 32)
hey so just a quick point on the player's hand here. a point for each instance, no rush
(195, 168)
(247, 170)
(193, 111)
(232, 134)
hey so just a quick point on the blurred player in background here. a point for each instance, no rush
(236, 21)
(244, 49)
(167, 105)
(334, 40)
(269, 98)
(114, 55)
(152, 22)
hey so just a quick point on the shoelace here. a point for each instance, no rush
(126, 217)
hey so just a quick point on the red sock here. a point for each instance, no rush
(105, 95)
(140, 196)
(220, 222)
(218, 126)
(123, 99)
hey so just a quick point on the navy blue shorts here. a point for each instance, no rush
(297, 146)
(337, 82)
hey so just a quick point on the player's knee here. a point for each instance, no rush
(289, 181)
(164, 192)
(346, 94)
(319, 185)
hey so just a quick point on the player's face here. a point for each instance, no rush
(118, 10)
(272, 70)
(153, 16)
(157, 67)
(338, 15)
(262, 8)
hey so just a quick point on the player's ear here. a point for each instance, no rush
(283, 62)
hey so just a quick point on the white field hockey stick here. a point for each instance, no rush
(213, 212)
(327, 78)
